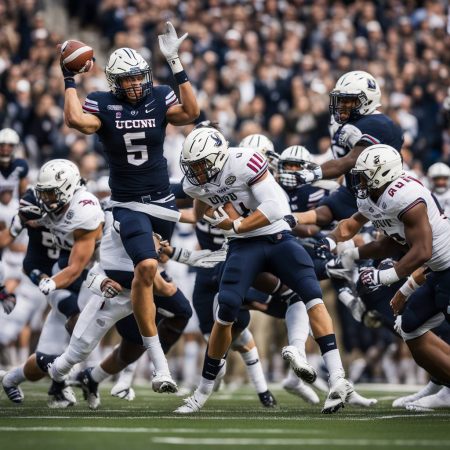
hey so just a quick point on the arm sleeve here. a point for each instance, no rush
(271, 198)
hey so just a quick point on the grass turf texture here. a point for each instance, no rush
(229, 421)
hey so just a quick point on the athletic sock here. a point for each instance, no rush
(98, 374)
(297, 324)
(14, 377)
(255, 370)
(156, 354)
(331, 357)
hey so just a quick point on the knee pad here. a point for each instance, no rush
(242, 340)
(69, 305)
(409, 329)
(229, 304)
(43, 360)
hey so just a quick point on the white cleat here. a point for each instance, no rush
(439, 400)
(163, 382)
(338, 395)
(356, 399)
(302, 390)
(123, 391)
(192, 404)
(430, 389)
(299, 365)
(60, 397)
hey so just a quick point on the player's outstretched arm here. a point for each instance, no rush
(348, 228)
(75, 117)
(337, 167)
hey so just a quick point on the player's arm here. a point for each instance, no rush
(80, 255)
(348, 228)
(413, 282)
(383, 247)
(75, 117)
(188, 110)
(341, 166)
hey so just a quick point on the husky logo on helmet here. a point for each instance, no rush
(124, 63)
(356, 94)
(375, 167)
(205, 151)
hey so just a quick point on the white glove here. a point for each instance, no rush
(288, 180)
(16, 226)
(211, 260)
(169, 43)
(47, 285)
(219, 215)
(188, 257)
(348, 258)
(307, 176)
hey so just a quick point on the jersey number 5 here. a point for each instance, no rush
(137, 154)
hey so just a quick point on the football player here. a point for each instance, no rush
(131, 121)
(411, 221)
(216, 175)
(438, 177)
(13, 171)
(356, 124)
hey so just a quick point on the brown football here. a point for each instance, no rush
(76, 56)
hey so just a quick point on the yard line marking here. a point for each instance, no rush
(298, 442)
(158, 430)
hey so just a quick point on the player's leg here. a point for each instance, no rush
(136, 235)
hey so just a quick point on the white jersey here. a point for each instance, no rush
(243, 168)
(444, 201)
(84, 213)
(398, 198)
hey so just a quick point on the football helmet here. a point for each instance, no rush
(439, 174)
(9, 139)
(295, 155)
(204, 153)
(356, 94)
(57, 182)
(123, 63)
(375, 167)
(263, 145)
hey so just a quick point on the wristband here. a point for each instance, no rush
(69, 82)
(175, 65)
(181, 77)
(409, 287)
(237, 224)
(388, 276)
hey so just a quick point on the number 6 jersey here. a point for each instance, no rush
(133, 136)
(398, 198)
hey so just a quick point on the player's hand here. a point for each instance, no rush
(36, 276)
(30, 212)
(289, 180)
(370, 278)
(397, 303)
(47, 285)
(16, 226)
(7, 300)
(307, 176)
(110, 288)
(348, 258)
(169, 42)
(323, 247)
(219, 218)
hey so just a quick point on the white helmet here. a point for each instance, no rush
(442, 171)
(126, 62)
(357, 85)
(375, 167)
(257, 142)
(57, 182)
(205, 151)
(296, 154)
(9, 137)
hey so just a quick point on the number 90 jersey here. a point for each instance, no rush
(133, 137)
(243, 168)
(398, 198)
(84, 213)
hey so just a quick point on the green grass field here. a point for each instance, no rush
(229, 421)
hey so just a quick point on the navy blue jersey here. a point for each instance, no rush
(133, 137)
(305, 197)
(42, 252)
(372, 129)
(11, 175)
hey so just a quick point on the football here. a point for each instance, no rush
(76, 56)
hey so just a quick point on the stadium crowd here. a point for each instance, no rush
(257, 67)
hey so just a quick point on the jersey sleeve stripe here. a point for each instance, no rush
(173, 102)
(92, 102)
(90, 109)
(259, 175)
(258, 157)
(170, 95)
(369, 138)
(410, 206)
(256, 162)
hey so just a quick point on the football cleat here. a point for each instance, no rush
(123, 391)
(302, 390)
(439, 400)
(338, 395)
(163, 382)
(14, 393)
(356, 399)
(299, 365)
(89, 388)
(60, 396)
(192, 404)
(430, 389)
(267, 399)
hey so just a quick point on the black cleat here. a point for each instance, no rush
(89, 387)
(60, 395)
(267, 399)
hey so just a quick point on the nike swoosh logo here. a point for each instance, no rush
(150, 110)
(148, 104)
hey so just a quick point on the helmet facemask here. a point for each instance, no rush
(52, 200)
(202, 170)
(136, 91)
(341, 105)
